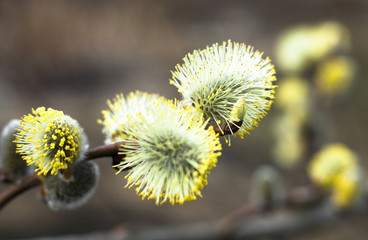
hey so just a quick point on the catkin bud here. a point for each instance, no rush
(61, 193)
(267, 187)
(11, 163)
(50, 140)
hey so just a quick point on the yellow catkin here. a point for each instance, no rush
(173, 154)
(50, 140)
(226, 83)
(335, 167)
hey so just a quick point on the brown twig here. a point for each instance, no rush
(249, 222)
(275, 225)
(304, 208)
(110, 150)
(14, 190)
(227, 128)
(104, 150)
(300, 197)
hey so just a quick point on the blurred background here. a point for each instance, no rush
(74, 55)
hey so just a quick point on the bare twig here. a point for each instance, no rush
(267, 226)
(14, 190)
(300, 197)
(104, 150)
(304, 208)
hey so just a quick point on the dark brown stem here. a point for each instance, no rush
(110, 150)
(227, 128)
(14, 190)
(104, 150)
(297, 198)
(252, 221)
(249, 222)
(226, 225)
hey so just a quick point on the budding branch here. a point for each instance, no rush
(109, 150)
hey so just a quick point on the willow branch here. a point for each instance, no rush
(304, 208)
(14, 190)
(301, 197)
(267, 226)
(109, 150)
